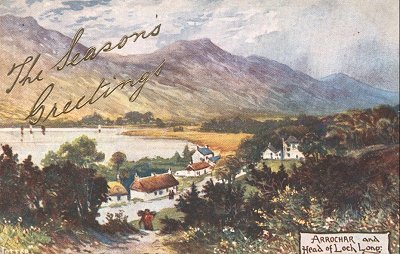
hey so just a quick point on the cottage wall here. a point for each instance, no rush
(270, 155)
(291, 152)
(114, 199)
(153, 195)
(198, 157)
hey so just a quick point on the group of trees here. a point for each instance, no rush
(334, 189)
(348, 189)
(133, 117)
(336, 134)
(232, 125)
(223, 204)
(63, 189)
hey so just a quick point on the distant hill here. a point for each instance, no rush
(356, 94)
(199, 80)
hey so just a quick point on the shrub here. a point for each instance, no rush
(171, 225)
(118, 223)
(19, 238)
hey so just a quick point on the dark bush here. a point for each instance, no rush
(171, 225)
(118, 223)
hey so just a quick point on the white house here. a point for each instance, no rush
(205, 154)
(271, 153)
(290, 151)
(198, 169)
(213, 160)
(195, 169)
(202, 154)
(154, 186)
(116, 191)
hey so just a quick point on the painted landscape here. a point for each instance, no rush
(219, 150)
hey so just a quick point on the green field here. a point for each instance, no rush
(186, 182)
(274, 164)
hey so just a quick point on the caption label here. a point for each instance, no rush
(344, 243)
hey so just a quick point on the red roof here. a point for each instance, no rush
(153, 183)
(198, 166)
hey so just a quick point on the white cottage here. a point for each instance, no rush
(205, 154)
(198, 169)
(202, 154)
(155, 186)
(290, 149)
(116, 191)
(271, 153)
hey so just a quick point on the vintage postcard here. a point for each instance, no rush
(191, 127)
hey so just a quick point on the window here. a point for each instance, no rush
(288, 155)
(160, 192)
(288, 149)
(297, 156)
(155, 193)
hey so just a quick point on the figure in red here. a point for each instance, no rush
(146, 219)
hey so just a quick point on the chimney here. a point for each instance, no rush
(170, 171)
(206, 146)
(197, 147)
(152, 174)
(137, 177)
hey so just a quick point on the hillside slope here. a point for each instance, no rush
(199, 80)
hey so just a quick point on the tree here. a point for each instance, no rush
(33, 180)
(192, 206)
(177, 157)
(81, 151)
(160, 123)
(231, 168)
(73, 193)
(313, 147)
(224, 205)
(117, 159)
(148, 117)
(13, 201)
(267, 182)
(340, 181)
(133, 117)
(187, 155)
(93, 119)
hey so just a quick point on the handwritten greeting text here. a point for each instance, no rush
(24, 73)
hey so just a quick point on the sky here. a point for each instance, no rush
(318, 37)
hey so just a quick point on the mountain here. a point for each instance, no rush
(363, 94)
(199, 80)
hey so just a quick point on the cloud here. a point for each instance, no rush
(318, 37)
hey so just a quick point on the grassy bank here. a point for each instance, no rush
(288, 164)
(225, 143)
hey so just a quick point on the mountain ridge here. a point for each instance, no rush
(199, 80)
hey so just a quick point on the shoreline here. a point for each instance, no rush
(225, 143)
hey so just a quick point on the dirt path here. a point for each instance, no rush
(148, 243)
